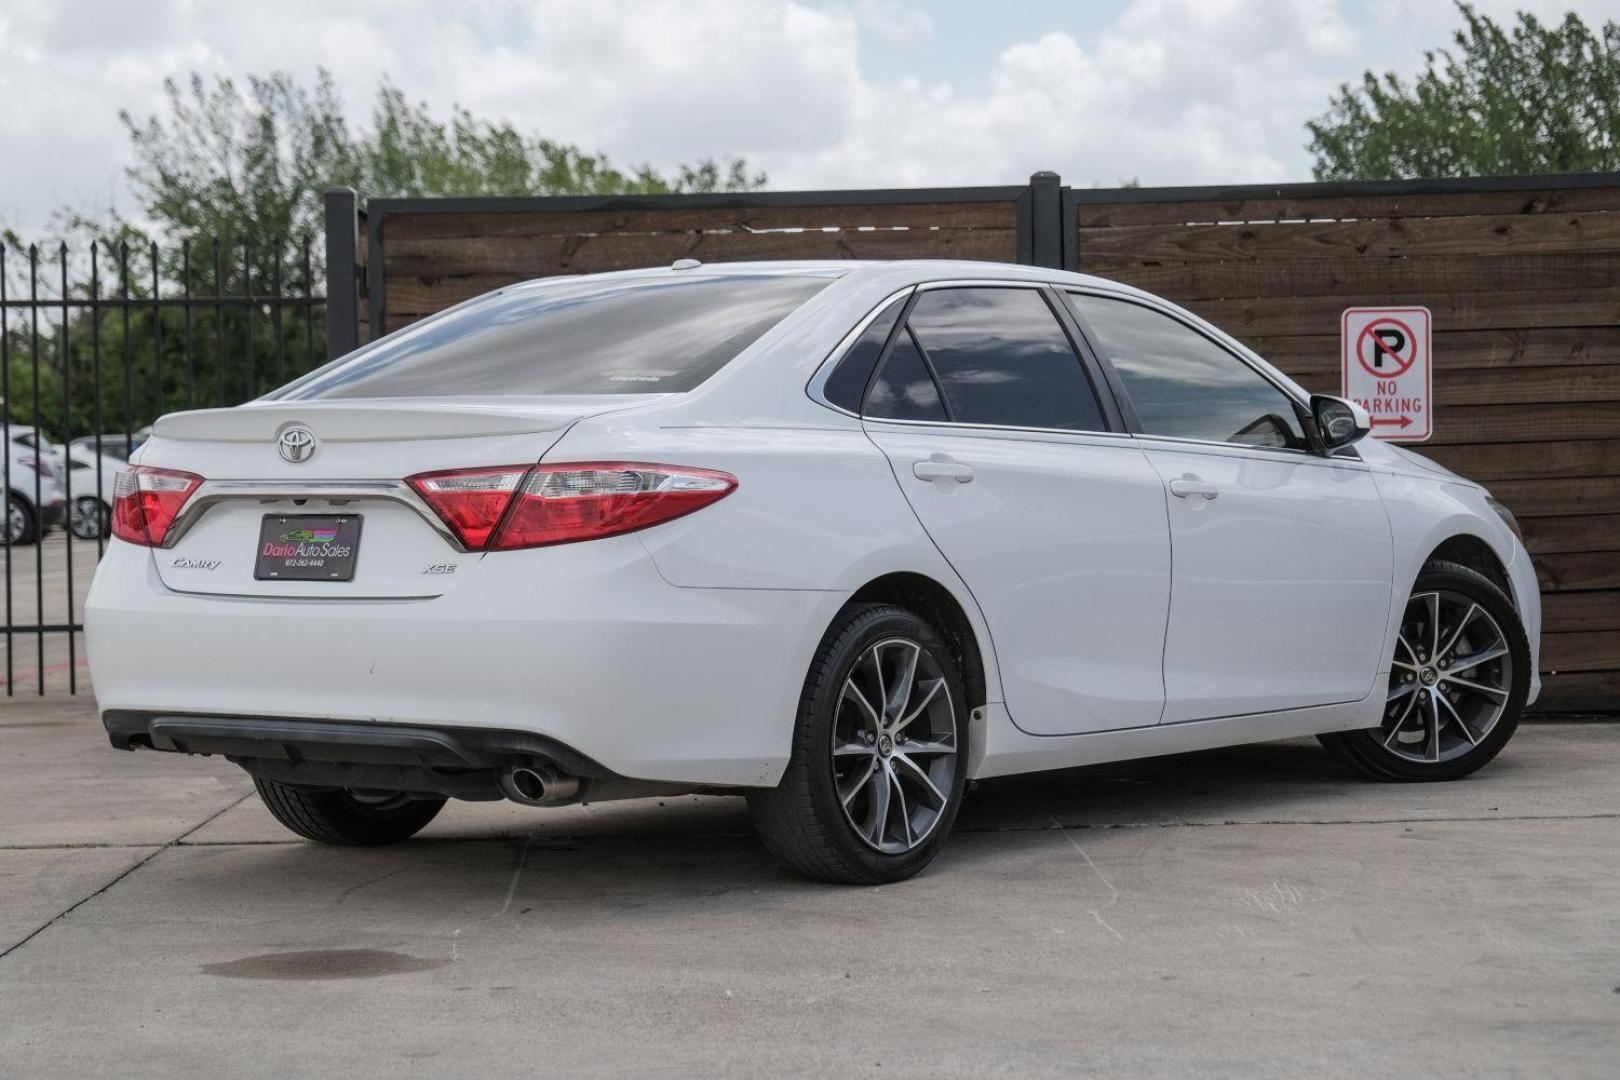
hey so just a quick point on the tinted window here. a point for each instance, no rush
(1002, 358)
(582, 336)
(1183, 384)
(904, 390)
(848, 380)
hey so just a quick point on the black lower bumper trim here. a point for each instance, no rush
(306, 744)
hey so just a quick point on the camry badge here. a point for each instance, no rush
(296, 444)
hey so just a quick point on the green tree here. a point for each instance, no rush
(1535, 98)
(231, 180)
(252, 165)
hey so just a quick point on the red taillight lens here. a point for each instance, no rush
(470, 501)
(559, 504)
(516, 507)
(146, 500)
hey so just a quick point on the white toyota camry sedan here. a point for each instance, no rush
(836, 537)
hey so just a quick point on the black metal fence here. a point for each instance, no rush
(95, 344)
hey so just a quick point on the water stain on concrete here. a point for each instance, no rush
(319, 964)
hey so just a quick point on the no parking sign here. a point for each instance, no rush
(1389, 370)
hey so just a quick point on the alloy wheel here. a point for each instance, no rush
(894, 745)
(89, 518)
(1451, 680)
(16, 524)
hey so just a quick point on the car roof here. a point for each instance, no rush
(896, 272)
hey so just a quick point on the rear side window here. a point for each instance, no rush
(1183, 384)
(848, 380)
(584, 336)
(904, 389)
(1003, 359)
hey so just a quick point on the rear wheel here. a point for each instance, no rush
(348, 817)
(879, 761)
(22, 526)
(1457, 685)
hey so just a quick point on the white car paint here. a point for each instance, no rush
(679, 653)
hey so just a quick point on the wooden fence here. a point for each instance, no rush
(1522, 276)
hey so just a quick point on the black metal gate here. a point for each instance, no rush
(95, 344)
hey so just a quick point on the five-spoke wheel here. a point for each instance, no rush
(1456, 685)
(878, 767)
(894, 745)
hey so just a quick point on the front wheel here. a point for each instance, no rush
(333, 816)
(879, 753)
(1460, 676)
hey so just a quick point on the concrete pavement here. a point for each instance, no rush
(1244, 913)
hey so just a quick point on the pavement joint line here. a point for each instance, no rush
(561, 838)
(160, 849)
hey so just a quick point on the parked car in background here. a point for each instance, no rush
(837, 537)
(118, 445)
(33, 499)
(89, 488)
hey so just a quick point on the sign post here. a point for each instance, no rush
(1388, 370)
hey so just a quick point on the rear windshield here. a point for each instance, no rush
(587, 336)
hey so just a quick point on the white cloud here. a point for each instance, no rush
(1172, 92)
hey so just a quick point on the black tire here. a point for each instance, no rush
(29, 521)
(336, 817)
(802, 820)
(89, 518)
(1365, 750)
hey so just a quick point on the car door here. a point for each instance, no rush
(1282, 557)
(1057, 524)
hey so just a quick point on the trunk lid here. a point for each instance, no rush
(354, 465)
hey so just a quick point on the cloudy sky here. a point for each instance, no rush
(820, 93)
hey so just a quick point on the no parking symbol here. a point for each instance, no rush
(1388, 369)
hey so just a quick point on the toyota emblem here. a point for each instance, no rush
(296, 444)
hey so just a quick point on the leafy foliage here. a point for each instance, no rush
(253, 165)
(232, 180)
(1535, 98)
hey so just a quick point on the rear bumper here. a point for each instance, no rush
(464, 763)
(584, 645)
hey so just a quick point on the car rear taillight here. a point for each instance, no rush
(470, 501)
(146, 500)
(502, 509)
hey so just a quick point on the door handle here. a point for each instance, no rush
(1190, 486)
(942, 467)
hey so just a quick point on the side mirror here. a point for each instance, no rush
(1338, 421)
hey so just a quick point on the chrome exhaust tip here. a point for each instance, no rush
(539, 786)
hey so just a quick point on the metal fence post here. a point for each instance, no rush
(342, 272)
(1046, 220)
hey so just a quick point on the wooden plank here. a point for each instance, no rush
(1582, 689)
(1583, 496)
(1398, 280)
(1448, 204)
(1531, 385)
(1487, 462)
(1555, 535)
(1596, 306)
(1590, 650)
(1525, 424)
(544, 256)
(1578, 570)
(416, 286)
(1466, 349)
(1521, 234)
(1570, 612)
(964, 215)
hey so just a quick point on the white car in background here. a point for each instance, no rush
(92, 478)
(32, 500)
(838, 537)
